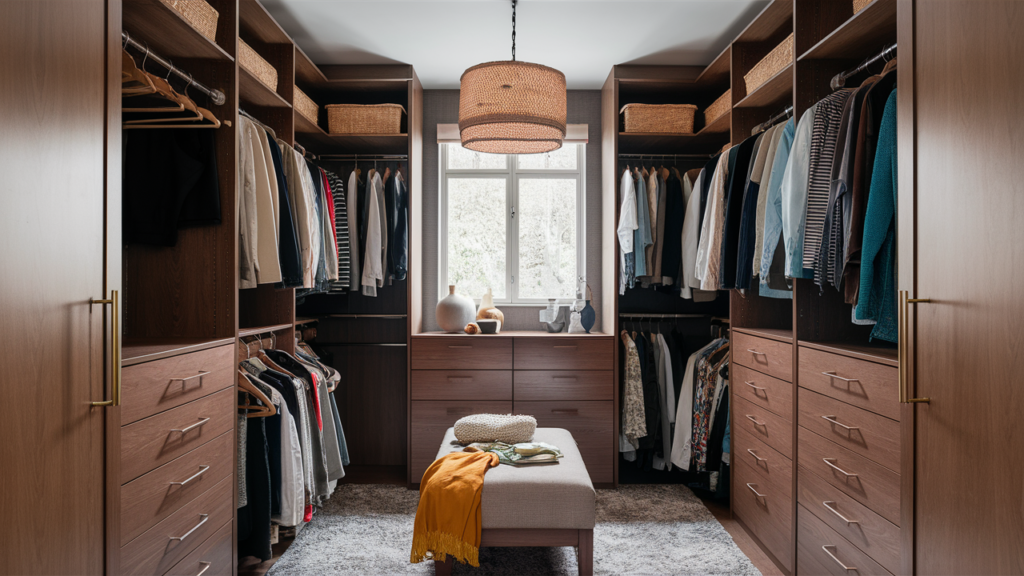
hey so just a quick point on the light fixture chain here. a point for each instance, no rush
(513, 30)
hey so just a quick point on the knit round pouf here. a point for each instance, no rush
(507, 428)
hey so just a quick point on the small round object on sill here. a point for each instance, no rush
(472, 328)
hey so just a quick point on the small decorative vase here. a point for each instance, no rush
(487, 310)
(575, 326)
(588, 317)
(454, 312)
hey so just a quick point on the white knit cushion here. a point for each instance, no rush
(508, 428)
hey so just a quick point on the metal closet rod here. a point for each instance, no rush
(369, 157)
(216, 96)
(628, 315)
(839, 80)
(663, 156)
(786, 113)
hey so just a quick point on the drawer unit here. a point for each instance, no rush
(820, 550)
(461, 384)
(156, 495)
(152, 387)
(767, 513)
(564, 353)
(461, 353)
(159, 439)
(871, 484)
(211, 558)
(763, 425)
(767, 392)
(773, 468)
(867, 385)
(591, 424)
(872, 534)
(431, 419)
(767, 356)
(167, 543)
(866, 433)
(543, 385)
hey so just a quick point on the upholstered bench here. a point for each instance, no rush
(537, 505)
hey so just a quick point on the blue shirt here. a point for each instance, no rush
(773, 210)
(794, 196)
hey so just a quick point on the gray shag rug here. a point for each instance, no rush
(641, 529)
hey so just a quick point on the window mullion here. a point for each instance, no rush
(513, 232)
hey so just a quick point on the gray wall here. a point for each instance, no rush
(442, 107)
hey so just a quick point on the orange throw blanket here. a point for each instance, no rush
(449, 514)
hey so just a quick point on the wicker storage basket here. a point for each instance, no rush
(256, 65)
(718, 108)
(364, 119)
(859, 5)
(665, 118)
(305, 106)
(780, 57)
(199, 14)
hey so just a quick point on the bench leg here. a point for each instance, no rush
(585, 552)
(444, 568)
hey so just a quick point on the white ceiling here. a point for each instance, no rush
(582, 38)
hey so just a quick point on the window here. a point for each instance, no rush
(512, 223)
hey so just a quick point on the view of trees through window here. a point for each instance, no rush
(512, 223)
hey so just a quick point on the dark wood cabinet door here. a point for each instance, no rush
(53, 95)
(968, 342)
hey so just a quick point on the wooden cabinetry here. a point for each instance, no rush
(564, 381)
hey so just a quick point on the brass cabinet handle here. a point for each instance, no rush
(751, 384)
(115, 350)
(756, 493)
(903, 328)
(187, 378)
(827, 503)
(832, 374)
(188, 429)
(754, 420)
(833, 556)
(832, 419)
(756, 353)
(204, 517)
(205, 568)
(756, 457)
(202, 470)
(840, 470)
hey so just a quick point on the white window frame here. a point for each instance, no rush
(512, 174)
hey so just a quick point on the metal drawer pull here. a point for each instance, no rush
(756, 457)
(752, 351)
(833, 374)
(205, 568)
(836, 512)
(204, 517)
(844, 472)
(567, 346)
(758, 494)
(202, 470)
(833, 556)
(454, 346)
(751, 384)
(460, 377)
(754, 420)
(831, 418)
(572, 411)
(573, 378)
(186, 379)
(188, 429)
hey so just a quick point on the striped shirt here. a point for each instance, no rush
(823, 150)
(344, 281)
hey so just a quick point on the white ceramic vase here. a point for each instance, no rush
(453, 312)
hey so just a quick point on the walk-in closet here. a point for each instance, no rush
(511, 287)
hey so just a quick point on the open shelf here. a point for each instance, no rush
(304, 126)
(770, 333)
(865, 32)
(717, 73)
(707, 141)
(321, 142)
(167, 32)
(252, 91)
(254, 22)
(306, 72)
(773, 93)
(264, 329)
(881, 353)
(768, 23)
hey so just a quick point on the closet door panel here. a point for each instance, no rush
(52, 238)
(967, 343)
(153, 387)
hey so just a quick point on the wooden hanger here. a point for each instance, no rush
(254, 411)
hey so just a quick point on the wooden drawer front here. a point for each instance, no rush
(769, 516)
(820, 550)
(158, 549)
(461, 384)
(772, 467)
(563, 385)
(871, 484)
(152, 497)
(558, 353)
(871, 386)
(872, 534)
(431, 419)
(866, 433)
(765, 426)
(462, 353)
(769, 357)
(215, 553)
(767, 392)
(153, 387)
(592, 426)
(159, 439)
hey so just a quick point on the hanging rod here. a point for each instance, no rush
(369, 157)
(634, 315)
(378, 316)
(216, 96)
(839, 80)
(786, 113)
(663, 156)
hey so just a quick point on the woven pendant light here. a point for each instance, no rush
(512, 107)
